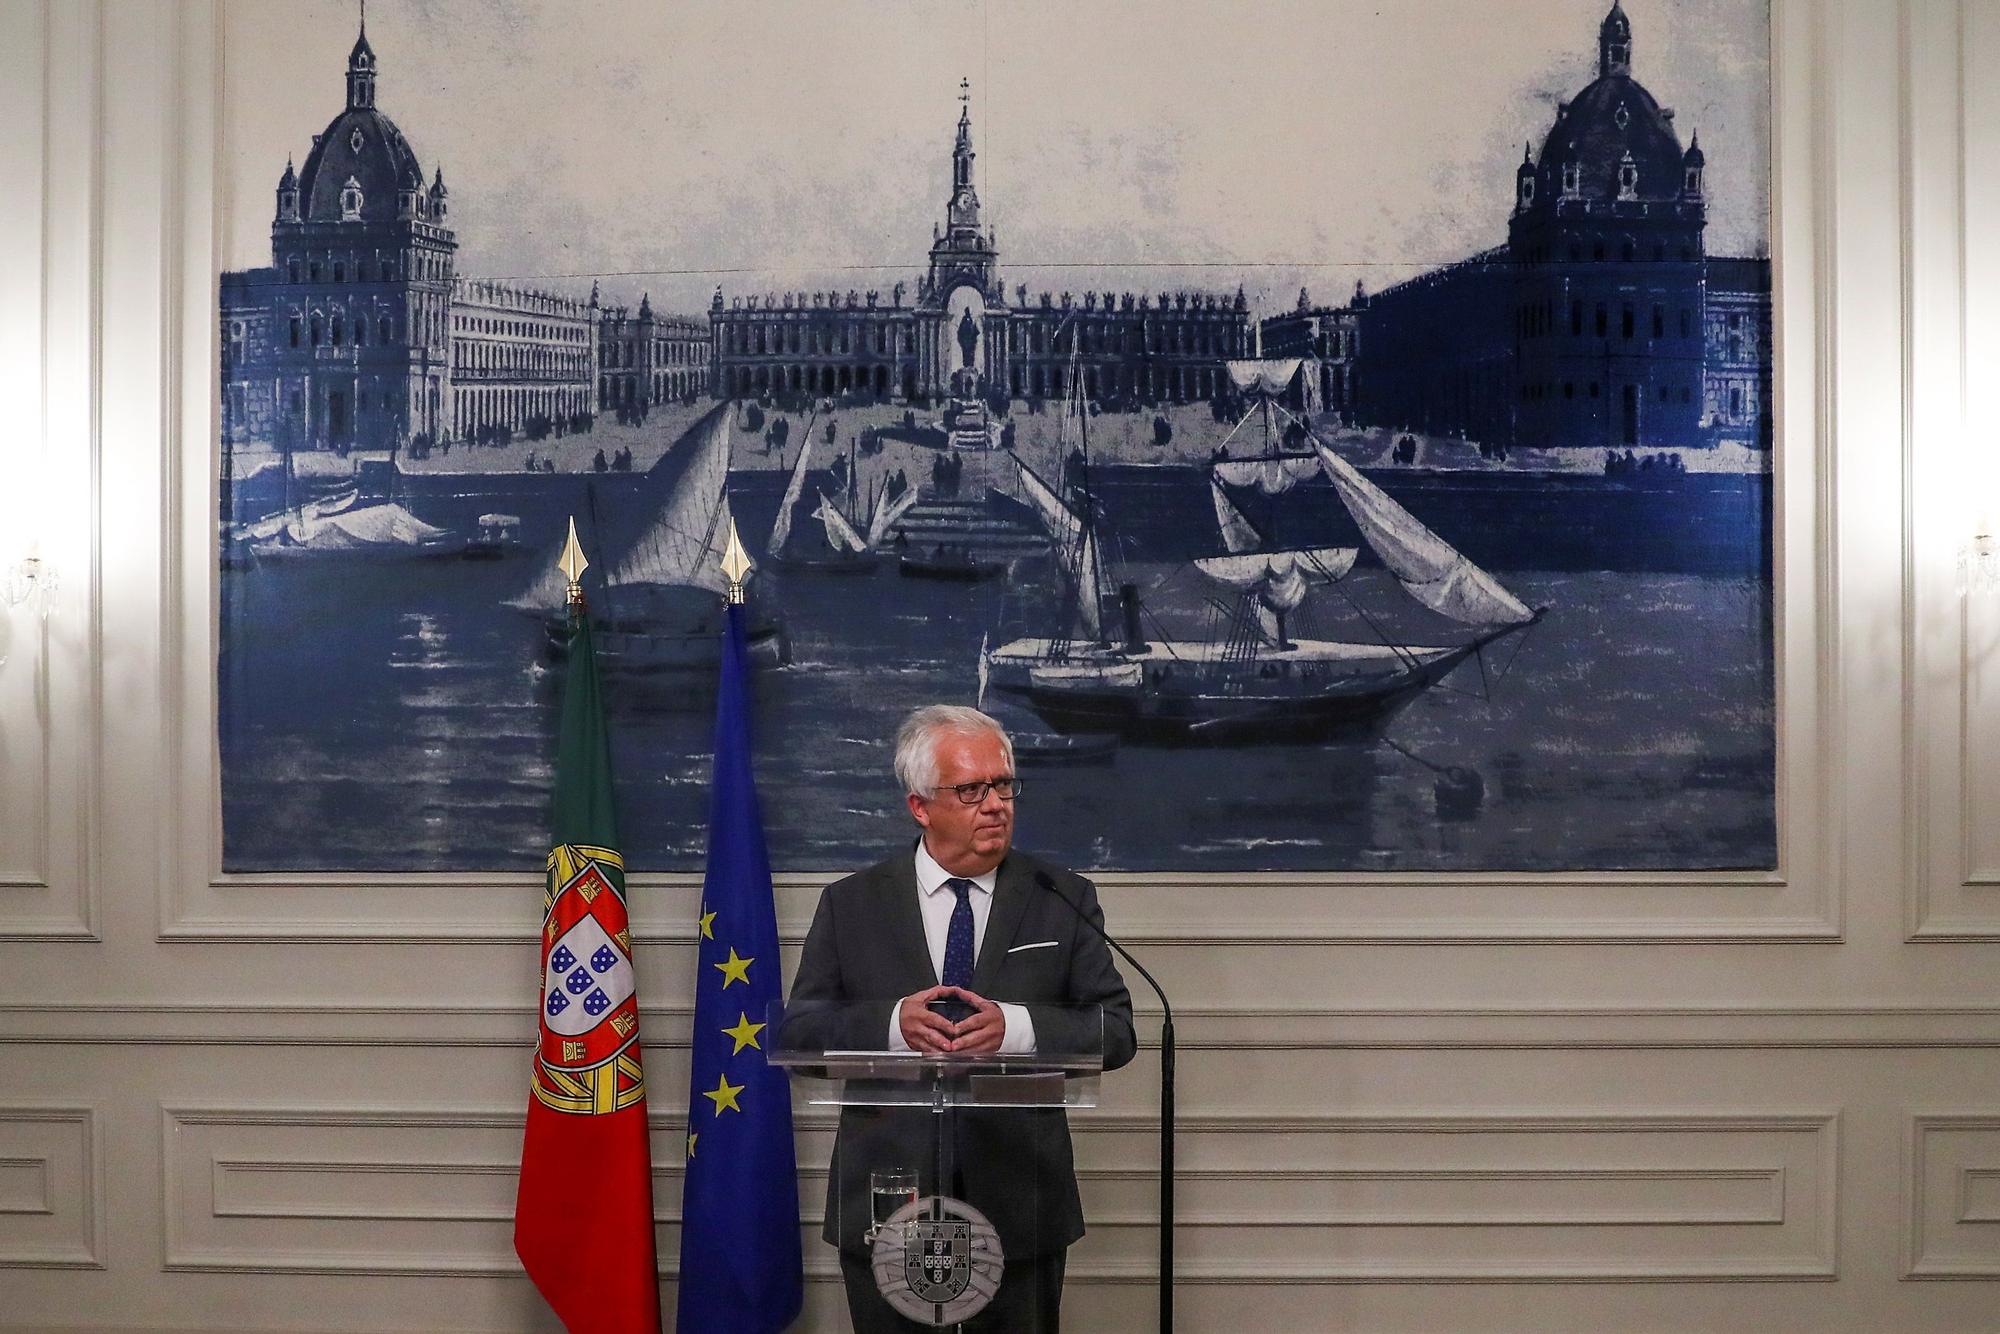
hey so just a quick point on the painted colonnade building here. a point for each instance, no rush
(962, 337)
(519, 356)
(649, 358)
(1327, 337)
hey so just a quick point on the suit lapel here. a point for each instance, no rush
(1011, 893)
(905, 922)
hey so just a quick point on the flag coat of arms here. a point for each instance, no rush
(583, 1221)
(741, 1263)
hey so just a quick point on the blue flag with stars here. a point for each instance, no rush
(741, 1266)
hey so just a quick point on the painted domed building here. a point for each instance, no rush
(1602, 321)
(364, 255)
(362, 334)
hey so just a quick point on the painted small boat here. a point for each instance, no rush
(950, 564)
(497, 537)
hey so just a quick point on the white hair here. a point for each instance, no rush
(917, 738)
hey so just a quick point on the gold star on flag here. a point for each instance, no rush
(745, 1033)
(692, 1137)
(724, 1095)
(708, 926)
(735, 970)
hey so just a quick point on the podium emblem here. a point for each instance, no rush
(938, 1261)
(937, 1258)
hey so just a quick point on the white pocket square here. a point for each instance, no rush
(1037, 945)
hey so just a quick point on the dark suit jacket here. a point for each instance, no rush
(866, 948)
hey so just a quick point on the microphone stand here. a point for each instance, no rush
(1046, 881)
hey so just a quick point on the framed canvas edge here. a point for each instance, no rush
(1801, 899)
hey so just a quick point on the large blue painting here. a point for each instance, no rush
(1331, 438)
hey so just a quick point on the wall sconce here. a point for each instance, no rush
(1979, 563)
(30, 580)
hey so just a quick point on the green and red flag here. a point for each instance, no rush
(583, 1221)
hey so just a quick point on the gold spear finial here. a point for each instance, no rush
(572, 564)
(735, 563)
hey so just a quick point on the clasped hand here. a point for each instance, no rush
(931, 1033)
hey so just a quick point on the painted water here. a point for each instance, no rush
(399, 716)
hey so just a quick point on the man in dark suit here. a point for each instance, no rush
(962, 917)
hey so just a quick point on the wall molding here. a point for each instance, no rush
(1769, 1208)
(1932, 218)
(63, 717)
(67, 1231)
(1925, 1254)
(1808, 1208)
(1885, 1026)
(1152, 909)
(1953, 893)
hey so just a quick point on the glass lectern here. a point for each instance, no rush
(947, 1166)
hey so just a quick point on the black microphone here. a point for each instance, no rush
(1047, 881)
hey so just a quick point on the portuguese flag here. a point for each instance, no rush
(583, 1221)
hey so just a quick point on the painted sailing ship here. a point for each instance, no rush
(1251, 680)
(342, 527)
(384, 531)
(657, 604)
(852, 545)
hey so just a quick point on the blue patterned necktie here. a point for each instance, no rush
(958, 937)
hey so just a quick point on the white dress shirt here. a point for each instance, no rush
(936, 903)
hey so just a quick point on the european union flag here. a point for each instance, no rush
(741, 1267)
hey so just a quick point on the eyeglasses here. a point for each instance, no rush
(973, 793)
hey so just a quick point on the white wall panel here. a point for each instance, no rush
(23, 740)
(1952, 452)
(50, 1211)
(48, 665)
(1979, 181)
(1953, 1187)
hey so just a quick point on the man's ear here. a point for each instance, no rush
(918, 811)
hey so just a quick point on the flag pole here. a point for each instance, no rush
(573, 564)
(735, 564)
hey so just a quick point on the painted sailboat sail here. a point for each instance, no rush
(1272, 474)
(1246, 567)
(1274, 570)
(1429, 568)
(887, 511)
(1276, 584)
(1075, 544)
(1268, 376)
(840, 534)
(1088, 577)
(781, 531)
(684, 543)
(1238, 533)
(380, 527)
(1275, 471)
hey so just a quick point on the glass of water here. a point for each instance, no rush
(888, 1191)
